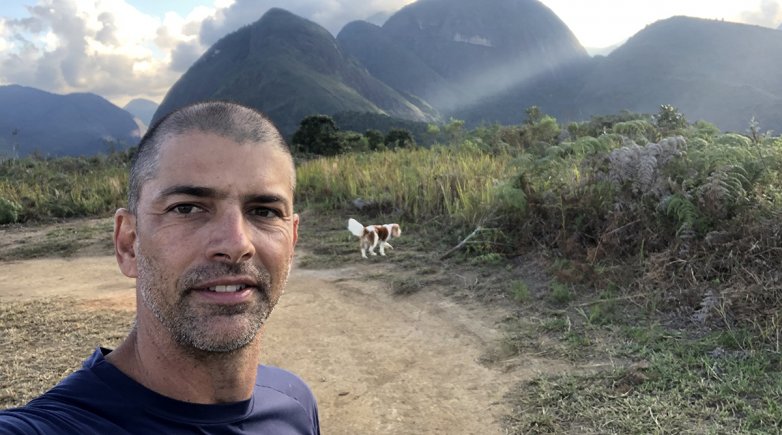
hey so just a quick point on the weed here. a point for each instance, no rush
(556, 324)
(520, 291)
(560, 293)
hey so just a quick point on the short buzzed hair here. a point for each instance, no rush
(234, 121)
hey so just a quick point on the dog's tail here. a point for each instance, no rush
(356, 228)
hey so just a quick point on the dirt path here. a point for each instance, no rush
(377, 363)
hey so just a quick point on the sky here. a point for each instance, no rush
(125, 49)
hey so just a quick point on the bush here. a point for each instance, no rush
(9, 211)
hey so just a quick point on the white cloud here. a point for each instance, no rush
(102, 46)
(601, 23)
(331, 14)
(768, 14)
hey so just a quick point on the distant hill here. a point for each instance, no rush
(486, 62)
(142, 109)
(553, 93)
(395, 65)
(455, 52)
(289, 68)
(32, 120)
(718, 71)
(478, 61)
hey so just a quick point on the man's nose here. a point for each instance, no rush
(231, 239)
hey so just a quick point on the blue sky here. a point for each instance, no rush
(123, 49)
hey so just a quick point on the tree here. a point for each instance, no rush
(538, 128)
(350, 141)
(375, 139)
(454, 131)
(399, 138)
(317, 134)
(669, 120)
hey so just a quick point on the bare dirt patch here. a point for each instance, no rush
(378, 362)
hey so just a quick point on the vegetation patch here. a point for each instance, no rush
(42, 341)
(679, 385)
(83, 236)
(590, 235)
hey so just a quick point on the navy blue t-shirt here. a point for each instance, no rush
(100, 399)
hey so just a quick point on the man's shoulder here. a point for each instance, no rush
(56, 412)
(51, 418)
(286, 401)
(284, 382)
(69, 407)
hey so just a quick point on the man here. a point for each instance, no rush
(209, 235)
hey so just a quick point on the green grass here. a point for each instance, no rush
(33, 189)
(560, 293)
(520, 291)
(420, 184)
(676, 385)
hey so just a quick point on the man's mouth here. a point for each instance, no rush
(227, 288)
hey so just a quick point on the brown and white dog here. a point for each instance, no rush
(372, 236)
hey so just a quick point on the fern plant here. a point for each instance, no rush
(683, 211)
(637, 130)
(724, 191)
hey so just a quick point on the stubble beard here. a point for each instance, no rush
(194, 326)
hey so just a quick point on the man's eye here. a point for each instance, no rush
(186, 209)
(264, 212)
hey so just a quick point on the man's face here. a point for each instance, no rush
(215, 232)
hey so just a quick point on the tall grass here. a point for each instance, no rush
(34, 189)
(457, 183)
(684, 215)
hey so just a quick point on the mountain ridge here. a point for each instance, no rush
(435, 60)
(33, 120)
(287, 67)
(698, 65)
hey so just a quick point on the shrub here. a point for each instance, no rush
(9, 211)
(560, 293)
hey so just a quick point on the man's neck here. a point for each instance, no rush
(161, 365)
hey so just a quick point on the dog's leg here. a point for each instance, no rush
(384, 245)
(369, 241)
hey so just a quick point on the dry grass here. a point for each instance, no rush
(41, 341)
(60, 239)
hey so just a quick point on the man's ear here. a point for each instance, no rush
(125, 242)
(295, 229)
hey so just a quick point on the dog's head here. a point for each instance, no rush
(394, 230)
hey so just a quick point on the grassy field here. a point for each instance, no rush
(652, 249)
(49, 339)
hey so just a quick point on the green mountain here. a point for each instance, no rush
(487, 61)
(289, 68)
(453, 53)
(395, 65)
(718, 71)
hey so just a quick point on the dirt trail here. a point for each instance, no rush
(377, 363)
